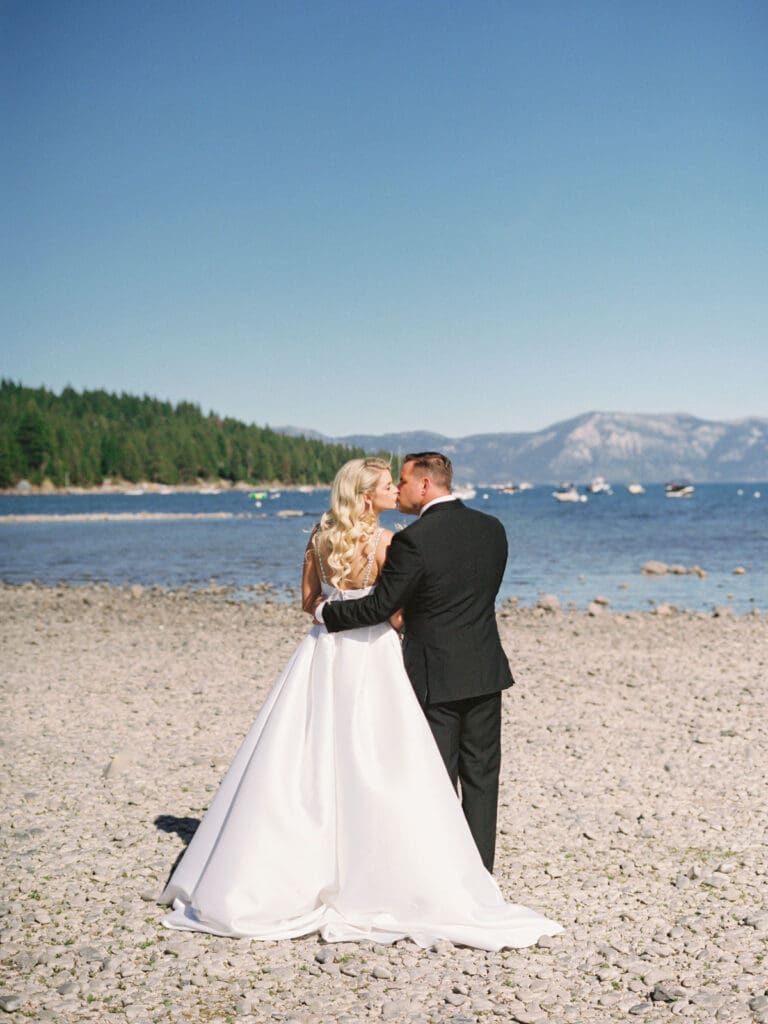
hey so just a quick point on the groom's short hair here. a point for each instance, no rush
(435, 465)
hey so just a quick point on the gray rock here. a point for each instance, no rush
(758, 1004)
(527, 1016)
(396, 1008)
(382, 972)
(709, 1000)
(9, 1002)
(90, 954)
(640, 1008)
(666, 611)
(26, 961)
(455, 999)
(662, 994)
(653, 568)
(443, 947)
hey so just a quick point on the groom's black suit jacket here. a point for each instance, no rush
(444, 571)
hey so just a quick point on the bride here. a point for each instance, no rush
(337, 815)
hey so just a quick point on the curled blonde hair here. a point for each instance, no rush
(348, 521)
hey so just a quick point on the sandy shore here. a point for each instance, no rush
(633, 811)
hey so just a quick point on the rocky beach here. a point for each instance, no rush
(633, 811)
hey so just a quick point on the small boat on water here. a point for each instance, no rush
(599, 486)
(511, 489)
(635, 488)
(465, 493)
(568, 493)
(678, 490)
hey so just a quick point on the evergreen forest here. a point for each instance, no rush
(79, 439)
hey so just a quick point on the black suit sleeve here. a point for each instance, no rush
(399, 578)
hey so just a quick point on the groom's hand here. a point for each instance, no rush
(397, 620)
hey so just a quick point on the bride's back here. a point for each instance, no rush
(361, 569)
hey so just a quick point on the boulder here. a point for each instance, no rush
(653, 568)
(665, 610)
(548, 603)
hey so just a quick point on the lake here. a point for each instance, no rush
(576, 551)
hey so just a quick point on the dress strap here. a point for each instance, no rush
(369, 563)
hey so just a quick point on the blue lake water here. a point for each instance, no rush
(576, 551)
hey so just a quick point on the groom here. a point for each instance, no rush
(444, 571)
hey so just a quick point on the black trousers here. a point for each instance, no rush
(468, 736)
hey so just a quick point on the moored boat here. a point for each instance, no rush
(466, 493)
(599, 486)
(678, 490)
(568, 493)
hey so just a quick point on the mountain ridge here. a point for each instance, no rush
(622, 447)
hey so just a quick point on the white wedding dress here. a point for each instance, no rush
(337, 816)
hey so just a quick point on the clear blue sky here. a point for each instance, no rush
(367, 216)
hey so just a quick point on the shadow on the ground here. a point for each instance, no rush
(185, 828)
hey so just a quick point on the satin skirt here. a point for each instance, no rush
(337, 816)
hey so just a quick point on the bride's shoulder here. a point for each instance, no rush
(382, 545)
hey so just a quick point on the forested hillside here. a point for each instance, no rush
(81, 438)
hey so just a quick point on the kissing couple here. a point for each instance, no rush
(339, 814)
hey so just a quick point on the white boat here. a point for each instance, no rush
(599, 486)
(209, 490)
(465, 493)
(678, 490)
(568, 492)
(526, 486)
(635, 488)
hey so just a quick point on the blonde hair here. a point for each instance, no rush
(349, 521)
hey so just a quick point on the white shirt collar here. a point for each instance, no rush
(437, 501)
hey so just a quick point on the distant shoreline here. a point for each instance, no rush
(144, 487)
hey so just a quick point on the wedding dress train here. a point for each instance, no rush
(338, 816)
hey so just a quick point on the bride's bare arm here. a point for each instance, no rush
(310, 580)
(396, 620)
